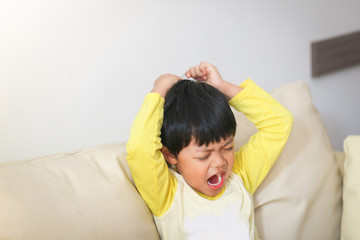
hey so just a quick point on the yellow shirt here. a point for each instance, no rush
(158, 186)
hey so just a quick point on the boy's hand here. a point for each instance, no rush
(206, 72)
(164, 83)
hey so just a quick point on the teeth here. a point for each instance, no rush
(219, 180)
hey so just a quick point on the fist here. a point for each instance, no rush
(205, 72)
(164, 83)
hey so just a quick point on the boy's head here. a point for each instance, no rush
(195, 109)
(197, 134)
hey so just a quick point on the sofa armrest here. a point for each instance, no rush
(351, 189)
(340, 159)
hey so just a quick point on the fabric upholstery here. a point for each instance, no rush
(301, 196)
(351, 190)
(80, 195)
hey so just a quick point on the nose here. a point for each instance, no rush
(218, 161)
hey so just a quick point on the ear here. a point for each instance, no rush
(169, 157)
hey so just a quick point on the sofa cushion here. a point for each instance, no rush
(80, 195)
(301, 196)
(351, 189)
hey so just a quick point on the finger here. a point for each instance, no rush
(199, 71)
(204, 65)
(196, 72)
(203, 70)
(193, 72)
(190, 72)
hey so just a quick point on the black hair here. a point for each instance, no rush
(195, 109)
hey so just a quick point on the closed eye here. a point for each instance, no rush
(204, 158)
(229, 148)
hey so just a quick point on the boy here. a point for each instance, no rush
(189, 125)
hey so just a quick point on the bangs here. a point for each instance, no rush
(213, 128)
(198, 110)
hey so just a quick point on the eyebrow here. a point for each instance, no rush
(209, 150)
(228, 142)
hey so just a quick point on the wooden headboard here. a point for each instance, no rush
(335, 53)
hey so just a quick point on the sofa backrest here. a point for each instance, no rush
(301, 196)
(80, 195)
(89, 194)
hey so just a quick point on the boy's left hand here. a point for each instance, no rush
(206, 72)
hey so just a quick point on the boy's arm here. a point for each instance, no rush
(274, 122)
(146, 162)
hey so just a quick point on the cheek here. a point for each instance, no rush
(197, 168)
(230, 157)
(192, 170)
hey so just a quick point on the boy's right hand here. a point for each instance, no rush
(164, 83)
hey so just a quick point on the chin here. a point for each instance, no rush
(213, 193)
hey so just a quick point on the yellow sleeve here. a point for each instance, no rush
(273, 121)
(148, 168)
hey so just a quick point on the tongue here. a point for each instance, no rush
(214, 179)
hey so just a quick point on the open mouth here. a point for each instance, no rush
(216, 181)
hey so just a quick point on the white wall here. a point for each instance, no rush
(74, 73)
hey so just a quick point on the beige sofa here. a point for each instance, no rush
(89, 194)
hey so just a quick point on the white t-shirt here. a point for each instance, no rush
(191, 216)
